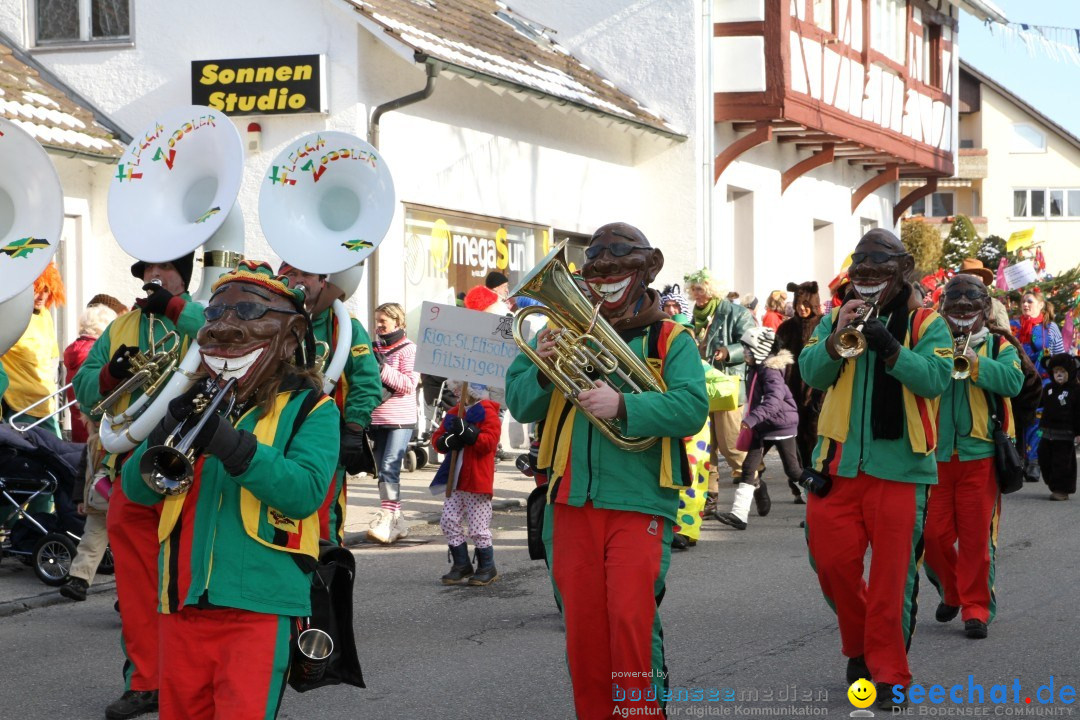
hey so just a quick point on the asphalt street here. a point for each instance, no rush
(743, 619)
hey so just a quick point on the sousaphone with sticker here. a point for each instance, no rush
(175, 189)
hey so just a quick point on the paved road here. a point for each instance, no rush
(742, 611)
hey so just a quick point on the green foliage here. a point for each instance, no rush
(961, 242)
(924, 242)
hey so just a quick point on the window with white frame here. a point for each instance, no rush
(941, 205)
(1046, 203)
(888, 28)
(65, 22)
(1027, 138)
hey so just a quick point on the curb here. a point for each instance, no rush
(45, 599)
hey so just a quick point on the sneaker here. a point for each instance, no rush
(730, 519)
(380, 528)
(885, 697)
(132, 704)
(975, 629)
(399, 528)
(762, 500)
(75, 589)
(856, 668)
(1058, 496)
(945, 613)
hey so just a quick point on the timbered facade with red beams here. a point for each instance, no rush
(869, 83)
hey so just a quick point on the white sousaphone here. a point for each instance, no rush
(175, 190)
(31, 218)
(325, 204)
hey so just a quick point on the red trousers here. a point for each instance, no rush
(964, 509)
(608, 567)
(877, 619)
(133, 537)
(223, 664)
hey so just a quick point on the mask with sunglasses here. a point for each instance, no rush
(245, 310)
(617, 249)
(970, 294)
(877, 257)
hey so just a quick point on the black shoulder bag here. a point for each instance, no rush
(1008, 464)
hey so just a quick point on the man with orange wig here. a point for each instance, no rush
(32, 363)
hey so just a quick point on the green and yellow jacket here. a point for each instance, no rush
(846, 443)
(129, 329)
(360, 390)
(231, 541)
(964, 426)
(587, 467)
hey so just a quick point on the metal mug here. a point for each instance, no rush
(313, 650)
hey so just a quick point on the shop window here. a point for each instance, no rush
(64, 22)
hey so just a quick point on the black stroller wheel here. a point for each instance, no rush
(52, 558)
(106, 567)
(422, 457)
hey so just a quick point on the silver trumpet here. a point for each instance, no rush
(850, 341)
(170, 468)
(960, 363)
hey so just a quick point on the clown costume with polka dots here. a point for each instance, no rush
(475, 438)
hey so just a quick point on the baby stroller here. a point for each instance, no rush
(37, 464)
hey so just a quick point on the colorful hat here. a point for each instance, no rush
(672, 293)
(700, 277)
(261, 274)
(481, 298)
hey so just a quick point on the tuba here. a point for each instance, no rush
(31, 218)
(324, 206)
(175, 189)
(587, 344)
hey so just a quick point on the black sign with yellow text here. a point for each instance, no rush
(260, 86)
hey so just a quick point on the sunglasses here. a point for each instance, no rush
(244, 311)
(970, 294)
(618, 249)
(877, 256)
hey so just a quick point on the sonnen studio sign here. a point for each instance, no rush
(285, 85)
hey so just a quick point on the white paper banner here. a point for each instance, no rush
(1020, 274)
(468, 345)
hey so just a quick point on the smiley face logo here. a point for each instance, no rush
(862, 693)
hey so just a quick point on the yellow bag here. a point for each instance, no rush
(722, 389)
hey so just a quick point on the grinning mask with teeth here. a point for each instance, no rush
(963, 313)
(252, 351)
(619, 266)
(871, 279)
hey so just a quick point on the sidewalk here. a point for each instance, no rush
(20, 589)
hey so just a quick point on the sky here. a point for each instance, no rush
(1051, 86)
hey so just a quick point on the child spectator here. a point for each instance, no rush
(475, 439)
(1057, 454)
(772, 419)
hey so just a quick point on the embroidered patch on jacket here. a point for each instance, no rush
(280, 521)
(812, 341)
(358, 350)
(943, 352)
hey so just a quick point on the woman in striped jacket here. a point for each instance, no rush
(393, 421)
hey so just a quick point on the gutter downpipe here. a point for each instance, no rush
(432, 68)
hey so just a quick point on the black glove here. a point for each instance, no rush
(354, 450)
(120, 364)
(815, 482)
(233, 447)
(157, 302)
(879, 339)
(458, 434)
(183, 405)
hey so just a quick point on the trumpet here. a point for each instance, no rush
(170, 468)
(149, 369)
(960, 363)
(850, 342)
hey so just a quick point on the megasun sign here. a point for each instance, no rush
(261, 86)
